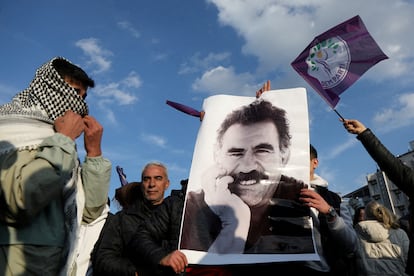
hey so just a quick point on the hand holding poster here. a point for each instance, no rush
(334, 60)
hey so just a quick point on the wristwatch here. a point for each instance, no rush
(331, 215)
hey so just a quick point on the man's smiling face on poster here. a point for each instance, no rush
(251, 155)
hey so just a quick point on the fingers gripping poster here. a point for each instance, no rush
(250, 161)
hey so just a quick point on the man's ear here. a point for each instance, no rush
(285, 156)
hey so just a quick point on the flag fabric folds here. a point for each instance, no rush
(336, 59)
(186, 109)
(122, 175)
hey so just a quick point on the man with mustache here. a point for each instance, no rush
(246, 205)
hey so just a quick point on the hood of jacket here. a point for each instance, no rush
(372, 231)
(319, 181)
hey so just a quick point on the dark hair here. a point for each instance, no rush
(259, 111)
(126, 195)
(65, 68)
(357, 214)
(313, 152)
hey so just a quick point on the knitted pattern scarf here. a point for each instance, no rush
(47, 97)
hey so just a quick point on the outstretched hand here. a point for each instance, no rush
(265, 87)
(353, 126)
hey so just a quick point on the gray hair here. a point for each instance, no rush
(154, 163)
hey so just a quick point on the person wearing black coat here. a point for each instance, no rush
(400, 174)
(156, 239)
(111, 255)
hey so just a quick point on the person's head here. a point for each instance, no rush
(58, 86)
(74, 76)
(155, 182)
(253, 144)
(127, 194)
(376, 211)
(314, 162)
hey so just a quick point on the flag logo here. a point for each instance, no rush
(328, 61)
(337, 58)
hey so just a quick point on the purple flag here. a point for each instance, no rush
(336, 59)
(186, 109)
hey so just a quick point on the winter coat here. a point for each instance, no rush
(158, 236)
(400, 174)
(381, 251)
(110, 255)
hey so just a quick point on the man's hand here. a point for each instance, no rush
(353, 126)
(176, 260)
(92, 136)
(265, 87)
(217, 195)
(70, 124)
(232, 211)
(315, 200)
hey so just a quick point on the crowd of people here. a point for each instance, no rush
(55, 217)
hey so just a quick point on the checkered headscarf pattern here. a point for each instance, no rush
(47, 97)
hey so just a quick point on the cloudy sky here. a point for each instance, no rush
(142, 53)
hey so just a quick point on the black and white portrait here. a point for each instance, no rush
(250, 161)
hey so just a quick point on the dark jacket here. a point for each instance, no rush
(110, 255)
(400, 174)
(158, 236)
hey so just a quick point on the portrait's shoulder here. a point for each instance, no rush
(195, 195)
(195, 199)
(289, 188)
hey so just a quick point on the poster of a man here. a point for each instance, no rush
(250, 161)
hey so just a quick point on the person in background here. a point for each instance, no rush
(337, 236)
(45, 193)
(399, 173)
(111, 255)
(383, 245)
(155, 241)
(359, 215)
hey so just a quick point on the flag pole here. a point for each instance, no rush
(340, 116)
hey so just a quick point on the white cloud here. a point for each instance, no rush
(154, 139)
(198, 63)
(97, 55)
(340, 149)
(125, 25)
(132, 80)
(277, 31)
(115, 92)
(221, 80)
(401, 114)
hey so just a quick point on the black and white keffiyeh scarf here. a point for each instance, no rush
(29, 117)
(47, 97)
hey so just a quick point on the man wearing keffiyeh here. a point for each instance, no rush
(45, 194)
